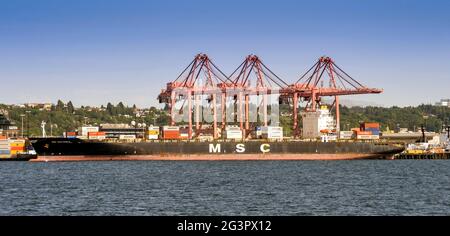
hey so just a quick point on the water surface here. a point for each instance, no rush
(365, 187)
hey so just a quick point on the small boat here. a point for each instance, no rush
(16, 150)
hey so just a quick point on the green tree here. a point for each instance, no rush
(110, 108)
(60, 105)
(70, 107)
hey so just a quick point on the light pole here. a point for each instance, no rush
(143, 127)
(21, 116)
(28, 123)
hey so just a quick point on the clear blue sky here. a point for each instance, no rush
(95, 51)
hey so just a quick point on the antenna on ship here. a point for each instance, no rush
(43, 123)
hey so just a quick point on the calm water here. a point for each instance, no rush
(403, 187)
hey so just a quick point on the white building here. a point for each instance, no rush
(443, 103)
(316, 121)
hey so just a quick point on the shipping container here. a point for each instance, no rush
(128, 136)
(152, 136)
(2, 137)
(171, 128)
(272, 132)
(5, 152)
(367, 137)
(233, 134)
(366, 125)
(86, 129)
(153, 130)
(70, 134)
(363, 133)
(96, 134)
(345, 134)
(171, 132)
(15, 148)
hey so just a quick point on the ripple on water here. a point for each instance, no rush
(371, 187)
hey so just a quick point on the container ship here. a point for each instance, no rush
(202, 96)
(123, 142)
(75, 149)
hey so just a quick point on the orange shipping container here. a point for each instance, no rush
(2, 137)
(171, 135)
(363, 132)
(96, 134)
(371, 125)
(17, 148)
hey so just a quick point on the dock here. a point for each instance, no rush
(422, 156)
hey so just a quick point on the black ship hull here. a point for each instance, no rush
(20, 157)
(68, 147)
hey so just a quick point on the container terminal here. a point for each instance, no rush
(232, 131)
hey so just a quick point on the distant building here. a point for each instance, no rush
(443, 103)
(7, 128)
(42, 106)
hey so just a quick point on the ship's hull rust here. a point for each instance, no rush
(76, 149)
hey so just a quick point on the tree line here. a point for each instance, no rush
(65, 117)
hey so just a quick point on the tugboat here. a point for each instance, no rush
(16, 150)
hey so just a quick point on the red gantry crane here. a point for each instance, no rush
(310, 87)
(199, 78)
(253, 78)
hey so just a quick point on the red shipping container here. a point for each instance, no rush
(96, 133)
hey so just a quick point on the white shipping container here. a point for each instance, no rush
(367, 136)
(171, 128)
(345, 134)
(234, 127)
(272, 132)
(86, 129)
(154, 128)
(127, 136)
(150, 136)
(99, 137)
(233, 134)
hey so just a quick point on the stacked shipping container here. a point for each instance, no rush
(272, 132)
(171, 132)
(153, 132)
(4, 148)
(96, 135)
(233, 132)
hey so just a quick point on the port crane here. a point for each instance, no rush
(252, 78)
(310, 88)
(202, 81)
(199, 79)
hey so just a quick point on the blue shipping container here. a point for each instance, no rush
(5, 152)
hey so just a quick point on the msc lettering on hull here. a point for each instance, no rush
(239, 148)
